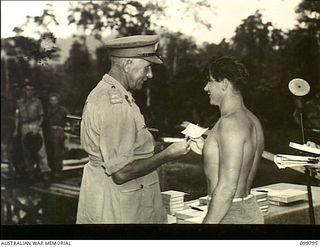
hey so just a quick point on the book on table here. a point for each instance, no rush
(304, 148)
(191, 213)
(195, 220)
(262, 200)
(285, 160)
(172, 194)
(264, 207)
(263, 203)
(173, 200)
(203, 200)
(259, 194)
(287, 195)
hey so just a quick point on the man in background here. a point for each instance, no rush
(56, 120)
(28, 120)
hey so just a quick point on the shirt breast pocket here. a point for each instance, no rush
(144, 142)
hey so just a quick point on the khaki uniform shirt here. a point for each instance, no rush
(113, 133)
(29, 111)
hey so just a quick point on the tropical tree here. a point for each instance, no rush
(125, 17)
(79, 81)
(22, 55)
(308, 32)
(36, 26)
(309, 15)
(102, 62)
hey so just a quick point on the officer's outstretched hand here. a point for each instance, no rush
(197, 145)
(185, 124)
(178, 149)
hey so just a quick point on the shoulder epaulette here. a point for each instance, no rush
(115, 95)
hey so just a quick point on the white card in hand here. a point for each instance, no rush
(194, 131)
(172, 139)
(194, 147)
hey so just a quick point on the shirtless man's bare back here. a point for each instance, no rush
(232, 149)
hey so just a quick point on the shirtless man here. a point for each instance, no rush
(232, 149)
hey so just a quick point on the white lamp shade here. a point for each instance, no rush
(299, 87)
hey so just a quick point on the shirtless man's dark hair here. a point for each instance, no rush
(233, 148)
(231, 69)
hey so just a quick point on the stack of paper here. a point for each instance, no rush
(173, 200)
(203, 200)
(184, 216)
(281, 197)
(195, 220)
(285, 160)
(305, 148)
(262, 200)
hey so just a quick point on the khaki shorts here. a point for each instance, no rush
(243, 211)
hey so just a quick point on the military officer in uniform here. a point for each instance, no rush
(120, 182)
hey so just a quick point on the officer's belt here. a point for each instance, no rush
(95, 162)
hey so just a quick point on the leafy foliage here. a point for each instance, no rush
(309, 14)
(39, 24)
(79, 76)
(126, 17)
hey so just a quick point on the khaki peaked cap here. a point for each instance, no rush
(137, 46)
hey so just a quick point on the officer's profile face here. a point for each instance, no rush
(138, 72)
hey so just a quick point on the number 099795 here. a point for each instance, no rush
(309, 243)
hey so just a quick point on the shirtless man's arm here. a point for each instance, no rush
(231, 136)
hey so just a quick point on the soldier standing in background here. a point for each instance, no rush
(28, 120)
(56, 120)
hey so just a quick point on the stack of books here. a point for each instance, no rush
(262, 200)
(204, 200)
(173, 201)
(191, 215)
(195, 220)
(305, 148)
(285, 160)
(283, 197)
